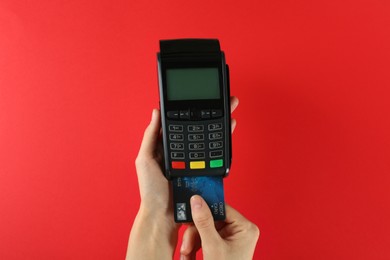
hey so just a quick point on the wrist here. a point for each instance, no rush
(153, 235)
(161, 218)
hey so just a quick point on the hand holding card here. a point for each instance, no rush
(234, 238)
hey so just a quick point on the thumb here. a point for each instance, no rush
(204, 222)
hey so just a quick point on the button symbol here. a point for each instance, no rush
(177, 155)
(176, 128)
(215, 126)
(177, 146)
(173, 114)
(217, 153)
(196, 146)
(197, 155)
(215, 136)
(195, 128)
(216, 113)
(176, 137)
(185, 114)
(215, 145)
(196, 137)
(205, 113)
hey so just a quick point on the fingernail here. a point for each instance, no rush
(196, 202)
(154, 113)
(183, 246)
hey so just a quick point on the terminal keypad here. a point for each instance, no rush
(195, 145)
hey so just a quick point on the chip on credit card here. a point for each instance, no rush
(209, 188)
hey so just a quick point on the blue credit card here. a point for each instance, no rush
(209, 188)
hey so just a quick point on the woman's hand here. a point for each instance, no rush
(233, 239)
(154, 232)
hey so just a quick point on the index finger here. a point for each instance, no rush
(233, 103)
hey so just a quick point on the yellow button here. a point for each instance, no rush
(198, 165)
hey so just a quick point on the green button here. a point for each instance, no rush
(216, 163)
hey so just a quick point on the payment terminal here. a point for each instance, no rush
(195, 108)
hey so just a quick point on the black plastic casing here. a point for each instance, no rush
(191, 57)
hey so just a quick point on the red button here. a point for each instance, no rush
(178, 165)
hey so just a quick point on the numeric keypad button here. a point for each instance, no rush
(176, 137)
(197, 155)
(215, 136)
(215, 145)
(215, 126)
(176, 128)
(195, 137)
(176, 146)
(177, 155)
(195, 128)
(216, 154)
(196, 146)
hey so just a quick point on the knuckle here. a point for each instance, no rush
(253, 229)
(256, 230)
(140, 162)
(203, 222)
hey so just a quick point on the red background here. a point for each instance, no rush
(311, 151)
